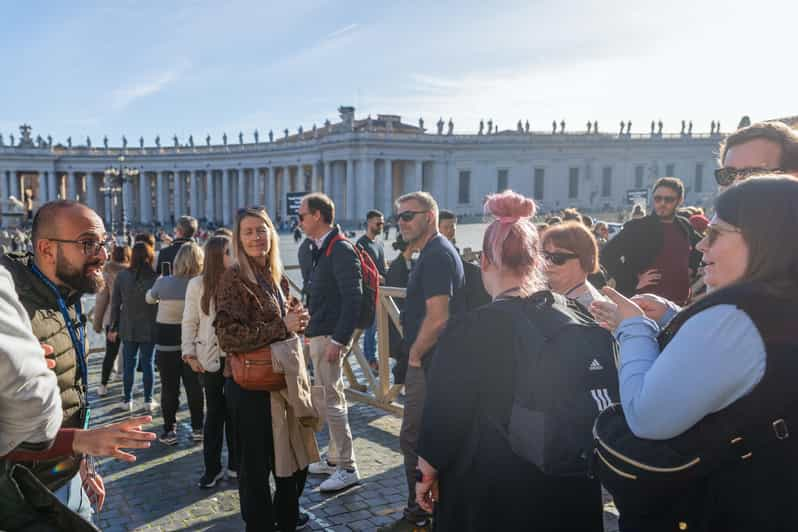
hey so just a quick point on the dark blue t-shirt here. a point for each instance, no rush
(376, 251)
(437, 272)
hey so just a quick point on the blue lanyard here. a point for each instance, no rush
(78, 335)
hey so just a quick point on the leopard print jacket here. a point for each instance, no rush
(247, 317)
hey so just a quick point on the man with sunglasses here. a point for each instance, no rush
(70, 247)
(761, 148)
(657, 253)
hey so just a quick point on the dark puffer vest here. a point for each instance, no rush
(757, 435)
(49, 327)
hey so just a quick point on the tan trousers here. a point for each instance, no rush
(330, 375)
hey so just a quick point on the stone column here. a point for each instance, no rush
(145, 198)
(210, 201)
(13, 184)
(180, 194)
(52, 186)
(91, 191)
(42, 197)
(195, 195)
(351, 191)
(162, 199)
(4, 195)
(418, 182)
(127, 194)
(227, 207)
(284, 192)
(439, 182)
(314, 177)
(268, 196)
(328, 179)
(365, 187)
(72, 186)
(257, 187)
(388, 183)
(242, 188)
(107, 198)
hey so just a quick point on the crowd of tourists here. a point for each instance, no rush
(658, 362)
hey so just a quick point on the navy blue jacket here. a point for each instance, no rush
(334, 291)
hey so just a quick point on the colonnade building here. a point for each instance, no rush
(362, 164)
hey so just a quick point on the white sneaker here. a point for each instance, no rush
(340, 480)
(322, 467)
(151, 406)
(230, 474)
(102, 390)
(128, 407)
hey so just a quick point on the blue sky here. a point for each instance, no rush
(205, 67)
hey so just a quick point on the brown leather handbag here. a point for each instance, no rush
(254, 371)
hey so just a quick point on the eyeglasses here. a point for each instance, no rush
(559, 258)
(91, 248)
(407, 216)
(714, 231)
(666, 199)
(726, 176)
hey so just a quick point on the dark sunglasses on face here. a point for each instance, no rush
(559, 258)
(666, 199)
(726, 176)
(407, 216)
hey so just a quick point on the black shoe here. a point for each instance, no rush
(302, 520)
(208, 481)
(169, 437)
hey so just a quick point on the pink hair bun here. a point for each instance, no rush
(509, 206)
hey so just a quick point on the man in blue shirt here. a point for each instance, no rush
(434, 292)
(375, 221)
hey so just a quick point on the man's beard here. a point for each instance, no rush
(79, 279)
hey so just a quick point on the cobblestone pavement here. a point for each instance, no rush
(158, 491)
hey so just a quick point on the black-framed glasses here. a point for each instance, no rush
(91, 248)
(670, 200)
(559, 258)
(728, 175)
(407, 216)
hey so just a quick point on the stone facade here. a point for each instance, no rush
(363, 164)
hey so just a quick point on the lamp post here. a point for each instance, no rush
(115, 179)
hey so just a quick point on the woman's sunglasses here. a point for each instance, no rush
(559, 258)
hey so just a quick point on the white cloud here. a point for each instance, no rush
(342, 31)
(123, 96)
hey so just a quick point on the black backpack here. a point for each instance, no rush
(565, 376)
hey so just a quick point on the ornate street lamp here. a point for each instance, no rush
(115, 179)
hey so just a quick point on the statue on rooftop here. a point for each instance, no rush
(653, 125)
(520, 127)
(327, 123)
(481, 127)
(526, 127)
(684, 125)
(562, 127)
(490, 126)
(595, 127)
(208, 140)
(176, 141)
(24, 131)
(158, 141)
(224, 138)
(623, 125)
(141, 142)
(440, 125)
(690, 128)
(2, 142)
(241, 137)
(717, 127)
(421, 123)
(88, 142)
(315, 131)
(300, 130)
(69, 142)
(451, 126)
(105, 142)
(589, 127)
(629, 127)
(49, 141)
(285, 133)
(271, 136)
(191, 141)
(659, 128)
(256, 135)
(712, 128)
(124, 142)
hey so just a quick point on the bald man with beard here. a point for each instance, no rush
(70, 249)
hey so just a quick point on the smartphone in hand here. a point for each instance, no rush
(166, 269)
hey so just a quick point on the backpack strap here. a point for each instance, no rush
(338, 237)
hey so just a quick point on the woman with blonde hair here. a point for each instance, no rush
(254, 310)
(169, 293)
(200, 344)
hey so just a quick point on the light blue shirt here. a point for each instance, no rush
(716, 357)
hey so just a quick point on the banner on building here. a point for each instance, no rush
(293, 201)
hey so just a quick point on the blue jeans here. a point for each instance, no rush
(74, 498)
(131, 352)
(370, 342)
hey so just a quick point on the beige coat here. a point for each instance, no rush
(198, 334)
(102, 306)
(297, 410)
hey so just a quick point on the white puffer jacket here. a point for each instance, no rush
(198, 334)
